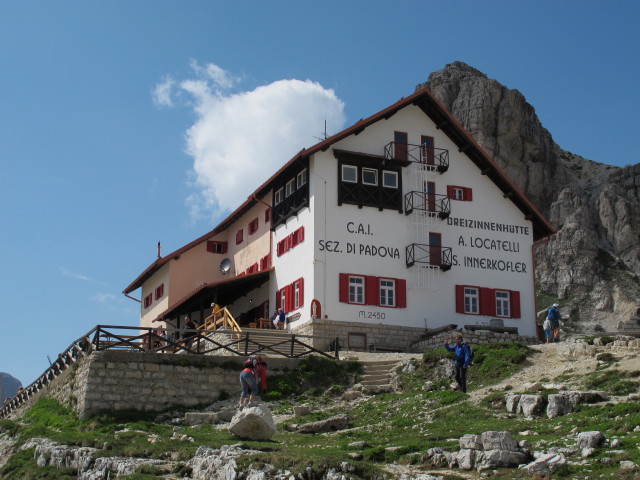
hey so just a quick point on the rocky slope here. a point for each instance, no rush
(591, 264)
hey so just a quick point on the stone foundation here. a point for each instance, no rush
(112, 381)
(360, 336)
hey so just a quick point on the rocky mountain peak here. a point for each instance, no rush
(593, 259)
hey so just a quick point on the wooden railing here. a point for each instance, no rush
(220, 318)
(233, 341)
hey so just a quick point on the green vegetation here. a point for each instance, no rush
(390, 427)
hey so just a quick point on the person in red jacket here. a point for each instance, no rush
(260, 366)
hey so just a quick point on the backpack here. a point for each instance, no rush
(552, 313)
(471, 353)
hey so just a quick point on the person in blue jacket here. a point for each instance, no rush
(460, 361)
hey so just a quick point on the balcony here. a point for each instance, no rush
(433, 256)
(435, 205)
(433, 159)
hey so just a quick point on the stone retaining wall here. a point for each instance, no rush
(120, 381)
(381, 337)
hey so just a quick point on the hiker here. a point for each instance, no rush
(547, 329)
(248, 382)
(460, 361)
(188, 336)
(260, 367)
(553, 314)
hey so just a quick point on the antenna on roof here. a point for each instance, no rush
(158, 249)
(324, 134)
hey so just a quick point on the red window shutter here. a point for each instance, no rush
(459, 298)
(267, 215)
(224, 247)
(514, 300)
(239, 237)
(278, 299)
(301, 291)
(300, 234)
(401, 293)
(344, 287)
(280, 248)
(210, 246)
(450, 192)
(487, 301)
(290, 243)
(289, 299)
(468, 194)
(372, 291)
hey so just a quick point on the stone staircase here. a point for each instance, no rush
(377, 376)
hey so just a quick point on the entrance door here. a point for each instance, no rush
(427, 150)
(430, 194)
(400, 143)
(435, 249)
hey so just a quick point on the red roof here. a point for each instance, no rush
(443, 120)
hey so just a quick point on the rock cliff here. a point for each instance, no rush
(593, 260)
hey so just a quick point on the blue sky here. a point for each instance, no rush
(127, 123)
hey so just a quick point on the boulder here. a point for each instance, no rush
(492, 440)
(469, 441)
(590, 439)
(511, 402)
(530, 405)
(565, 402)
(328, 425)
(300, 410)
(253, 423)
(546, 464)
(201, 418)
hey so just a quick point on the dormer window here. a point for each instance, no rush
(389, 179)
(278, 197)
(290, 187)
(369, 176)
(350, 173)
(301, 178)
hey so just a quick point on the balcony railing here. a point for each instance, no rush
(435, 159)
(431, 203)
(429, 255)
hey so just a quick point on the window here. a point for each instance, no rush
(502, 303)
(159, 291)
(350, 173)
(463, 194)
(291, 297)
(239, 236)
(278, 197)
(253, 226)
(370, 290)
(389, 179)
(148, 300)
(290, 187)
(290, 241)
(265, 262)
(296, 294)
(387, 292)
(356, 290)
(301, 178)
(252, 269)
(471, 302)
(267, 215)
(369, 176)
(216, 247)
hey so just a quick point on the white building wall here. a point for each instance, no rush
(367, 241)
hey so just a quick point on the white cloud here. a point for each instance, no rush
(104, 298)
(77, 276)
(240, 139)
(162, 93)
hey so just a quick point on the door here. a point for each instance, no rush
(435, 249)
(400, 143)
(430, 194)
(427, 150)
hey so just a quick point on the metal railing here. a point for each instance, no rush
(435, 204)
(435, 159)
(190, 341)
(431, 255)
